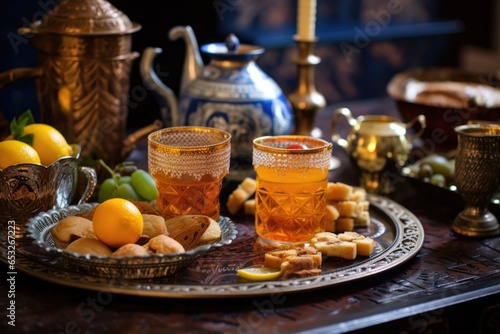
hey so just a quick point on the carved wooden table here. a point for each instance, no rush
(451, 284)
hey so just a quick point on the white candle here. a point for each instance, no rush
(306, 20)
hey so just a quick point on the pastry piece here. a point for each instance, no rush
(71, 228)
(352, 207)
(343, 249)
(337, 191)
(153, 225)
(146, 208)
(323, 236)
(346, 208)
(163, 244)
(89, 246)
(131, 250)
(301, 266)
(242, 193)
(249, 207)
(364, 245)
(331, 216)
(212, 233)
(275, 258)
(358, 194)
(362, 220)
(343, 224)
(187, 229)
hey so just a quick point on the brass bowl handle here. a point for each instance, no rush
(336, 137)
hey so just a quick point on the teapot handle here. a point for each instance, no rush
(422, 121)
(350, 120)
(19, 73)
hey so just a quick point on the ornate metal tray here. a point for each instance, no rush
(398, 233)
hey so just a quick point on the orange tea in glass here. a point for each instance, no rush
(292, 176)
(188, 164)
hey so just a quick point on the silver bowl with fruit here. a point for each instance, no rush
(118, 267)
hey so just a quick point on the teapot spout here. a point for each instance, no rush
(193, 64)
(164, 95)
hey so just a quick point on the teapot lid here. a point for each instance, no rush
(231, 49)
(86, 17)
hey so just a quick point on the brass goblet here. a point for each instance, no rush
(477, 177)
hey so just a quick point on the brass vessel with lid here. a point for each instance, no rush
(83, 75)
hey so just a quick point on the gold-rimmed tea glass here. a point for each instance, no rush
(290, 198)
(188, 164)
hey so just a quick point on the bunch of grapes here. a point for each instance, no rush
(128, 182)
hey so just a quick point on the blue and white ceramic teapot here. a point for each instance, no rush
(231, 92)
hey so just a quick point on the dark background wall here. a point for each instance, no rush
(271, 23)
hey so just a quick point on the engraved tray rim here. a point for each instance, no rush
(408, 240)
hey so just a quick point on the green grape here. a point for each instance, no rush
(425, 171)
(125, 168)
(440, 165)
(438, 180)
(144, 184)
(106, 190)
(123, 179)
(126, 191)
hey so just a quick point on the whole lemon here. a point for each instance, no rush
(48, 142)
(16, 152)
(117, 222)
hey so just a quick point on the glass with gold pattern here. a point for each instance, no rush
(188, 164)
(292, 176)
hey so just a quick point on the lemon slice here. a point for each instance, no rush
(259, 273)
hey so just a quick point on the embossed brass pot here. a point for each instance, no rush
(83, 75)
(477, 177)
(378, 145)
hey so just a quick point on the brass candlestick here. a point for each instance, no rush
(305, 100)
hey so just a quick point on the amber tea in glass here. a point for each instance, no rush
(292, 176)
(188, 164)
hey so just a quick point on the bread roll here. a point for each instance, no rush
(89, 246)
(187, 229)
(131, 250)
(212, 233)
(153, 225)
(162, 244)
(71, 228)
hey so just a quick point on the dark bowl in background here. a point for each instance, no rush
(441, 120)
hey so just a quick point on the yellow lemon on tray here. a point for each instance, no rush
(48, 142)
(117, 222)
(16, 152)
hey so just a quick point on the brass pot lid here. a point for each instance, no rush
(85, 17)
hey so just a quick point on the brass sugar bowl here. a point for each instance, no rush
(378, 146)
(83, 75)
